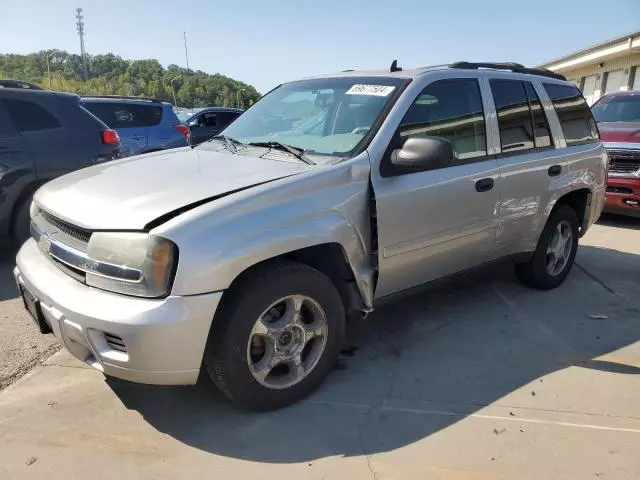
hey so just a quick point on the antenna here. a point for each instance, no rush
(80, 25)
(394, 67)
(186, 52)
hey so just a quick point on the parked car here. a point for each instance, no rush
(247, 254)
(144, 124)
(43, 135)
(205, 123)
(618, 117)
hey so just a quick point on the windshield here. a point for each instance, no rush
(623, 108)
(326, 117)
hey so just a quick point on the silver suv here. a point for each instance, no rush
(246, 255)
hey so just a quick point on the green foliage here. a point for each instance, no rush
(111, 75)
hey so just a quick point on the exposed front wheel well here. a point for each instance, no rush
(579, 201)
(330, 259)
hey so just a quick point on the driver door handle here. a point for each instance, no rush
(484, 185)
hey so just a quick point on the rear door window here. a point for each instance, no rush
(28, 116)
(124, 115)
(575, 117)
(540, 124)
(514, 115)
(225, 118)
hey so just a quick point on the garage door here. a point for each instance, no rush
(589, 88)
(614, 81)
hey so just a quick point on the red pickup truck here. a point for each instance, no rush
(618, 117)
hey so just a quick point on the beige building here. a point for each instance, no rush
(604, 68)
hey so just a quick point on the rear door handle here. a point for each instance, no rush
(484, 185)
(554, 170)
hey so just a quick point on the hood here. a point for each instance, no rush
(130, 193)
(620, 132)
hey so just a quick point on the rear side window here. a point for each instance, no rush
(28, 116)
(225, 118)
(451, 109)
(123, 115)
(575, 117)
(514, 115)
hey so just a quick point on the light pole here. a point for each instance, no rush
(173, 90)
(49, 55)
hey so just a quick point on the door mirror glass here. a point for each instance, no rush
(420, 153)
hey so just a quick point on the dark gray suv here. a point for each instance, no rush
(43, 135)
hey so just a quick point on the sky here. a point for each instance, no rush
(265, 43)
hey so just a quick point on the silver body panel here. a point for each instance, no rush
(428, 224)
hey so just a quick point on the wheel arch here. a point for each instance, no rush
(330, 259)
(580, 201)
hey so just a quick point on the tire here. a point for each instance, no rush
(21, 221)
(536, 273)
(229, 356)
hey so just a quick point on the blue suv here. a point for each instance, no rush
(144, 124)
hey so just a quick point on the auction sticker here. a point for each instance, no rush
(375, 90)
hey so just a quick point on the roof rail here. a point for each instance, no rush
(123, 97)
(513, 67)
(19, 84)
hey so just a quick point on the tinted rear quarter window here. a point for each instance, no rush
(28, 116)
(125, 115)
(578, 125)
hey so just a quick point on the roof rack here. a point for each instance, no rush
(123, 97)
(513, 67)
(19, 84)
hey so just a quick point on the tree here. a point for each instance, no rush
(110, 74)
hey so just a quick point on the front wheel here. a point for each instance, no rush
(556, 251)
(276, 337)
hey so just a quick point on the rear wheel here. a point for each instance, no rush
(276, 337)
(556, 251)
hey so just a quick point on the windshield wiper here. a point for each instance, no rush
(296, 152)
(230, 143)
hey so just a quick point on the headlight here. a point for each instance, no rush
(132, 263)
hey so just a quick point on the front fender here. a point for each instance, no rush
(219, 241)
(217, 269)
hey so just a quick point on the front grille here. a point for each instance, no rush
(115, 342)
(71, 230)
(79, 275)
(624, 161)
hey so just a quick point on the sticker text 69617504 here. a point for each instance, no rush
(375, 90)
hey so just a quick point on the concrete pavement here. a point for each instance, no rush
(479, 378)
(21, 344)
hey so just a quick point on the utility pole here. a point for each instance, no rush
(173, 90)
(186, 52)
(80, 25)
(49, 55)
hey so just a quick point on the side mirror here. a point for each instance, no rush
(422, 153)
(194, 123)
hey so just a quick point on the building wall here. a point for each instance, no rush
(583, 76)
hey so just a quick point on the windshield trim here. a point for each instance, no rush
(401, 85)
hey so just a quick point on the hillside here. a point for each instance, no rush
(111, 75)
